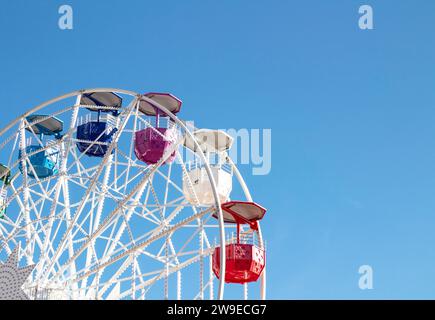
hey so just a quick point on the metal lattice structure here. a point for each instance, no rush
(111, 226)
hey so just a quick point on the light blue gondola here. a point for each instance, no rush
(44, 161)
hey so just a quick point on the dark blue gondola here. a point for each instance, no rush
(102, 129)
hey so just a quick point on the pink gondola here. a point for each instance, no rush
(152, 143)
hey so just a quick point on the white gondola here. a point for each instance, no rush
(196, 185)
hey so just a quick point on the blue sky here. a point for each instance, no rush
(351, 114)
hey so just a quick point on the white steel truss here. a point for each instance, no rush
(110, 227)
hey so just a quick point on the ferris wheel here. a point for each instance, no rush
(109, 195)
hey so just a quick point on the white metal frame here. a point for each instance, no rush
(98, 186)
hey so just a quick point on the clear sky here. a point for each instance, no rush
(352, 115)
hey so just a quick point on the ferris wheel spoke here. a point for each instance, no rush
(131, 148)
(82, 172)
(117, 279)
(107, 159)
(101, 227)
(138, 275)
(16, 229)
(138, 190)
(171, 183)
(114, 184)
(115, 276)
(25, 185)
(203, 238)
(96, 221)
(170, 217)
(114, 250)
(141, 276)
(190, 239)
(29, 227)
(66, 195)
(61, 188)
(20, 203)
(111, 245)
(125, 247)
(62, 182)
(37, 214)
(4, 242)
(152, 281)
(142, 245)
(170, 260)
(209, 284)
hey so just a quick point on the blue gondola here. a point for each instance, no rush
(102, 129)
(43, 160)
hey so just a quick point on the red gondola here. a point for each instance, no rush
(244, 261)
